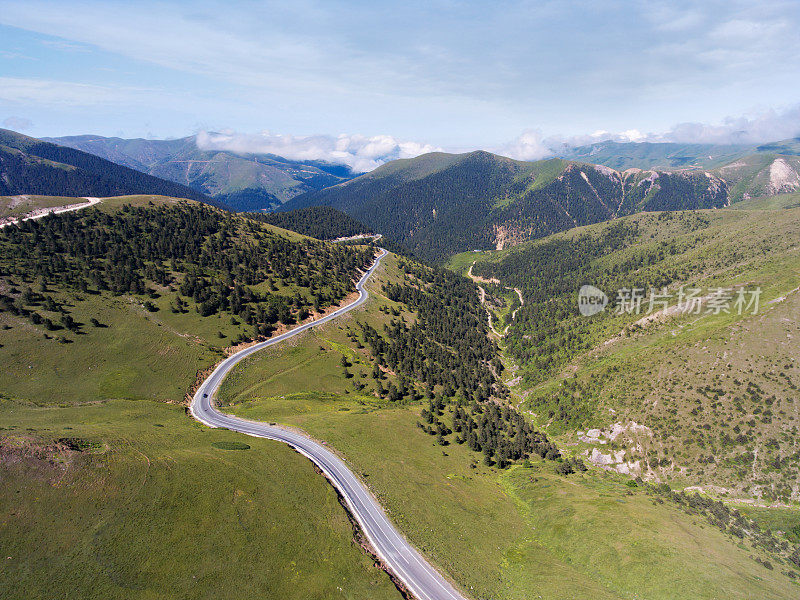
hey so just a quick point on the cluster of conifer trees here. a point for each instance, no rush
(447, 344)
(321, 222)
(447, 350)
(729, 520)
(217, 261)
(499, 432)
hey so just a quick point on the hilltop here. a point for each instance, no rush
(108, 315)
(321, 222)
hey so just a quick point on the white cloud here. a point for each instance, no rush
(530, 145)
(49, 92)
(360, 153)
(18, 123)
(767, 126)
(632, 135)
(365, 153)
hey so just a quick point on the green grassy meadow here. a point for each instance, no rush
(110, 490)
(781, 201)
(154, 510)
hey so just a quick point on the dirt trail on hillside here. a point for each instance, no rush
(53, 210)
(478, 280)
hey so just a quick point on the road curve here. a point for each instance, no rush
(399, 556)
(53, 210)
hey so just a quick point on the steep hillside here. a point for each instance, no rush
(109, 490)
(438, 204)
(761, 175)
(749, 171)
(143, 262)
(31, 166)
(690, 392)
(445, 462)
(243, 182)
(321, 222)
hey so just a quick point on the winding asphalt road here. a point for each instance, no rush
(399, 556)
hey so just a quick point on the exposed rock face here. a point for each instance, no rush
(633, 435)
(783, 178)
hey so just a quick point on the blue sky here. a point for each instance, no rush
(440, 73)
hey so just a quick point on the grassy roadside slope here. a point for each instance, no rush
(151, 509)
(17, 206)
(109, 490)
(503, 534)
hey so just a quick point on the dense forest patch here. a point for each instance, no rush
(205, 259)
(321, 222)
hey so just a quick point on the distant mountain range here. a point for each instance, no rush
(435, 204)
(667, 155)
(243, 182)
(32, 166)
(438, 204)
(250, 182)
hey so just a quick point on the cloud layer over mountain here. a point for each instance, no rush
(758, 128)
(364, 153)
(360, 153)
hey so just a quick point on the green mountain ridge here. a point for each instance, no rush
(704, 399)
(31, 166)
(439, 204)
(671, 155)
(243, 182)
(251, 182)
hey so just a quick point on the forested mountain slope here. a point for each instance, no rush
(187, 264)
(242, 181)
(321, 222)
(31, 166)
(399, 387)
(438, 204)
(107, 317)
(702, 395)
